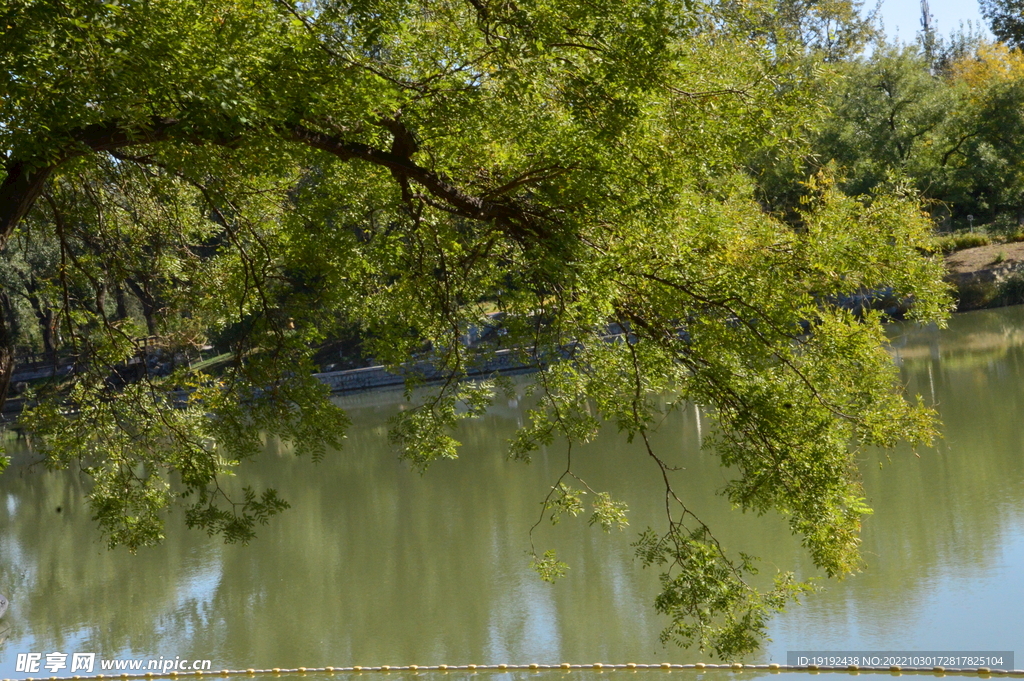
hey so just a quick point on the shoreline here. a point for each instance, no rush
(980, 276)
(987, 276)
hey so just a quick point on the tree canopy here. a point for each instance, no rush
(1006, 19)
(270, 174)
(952, 128)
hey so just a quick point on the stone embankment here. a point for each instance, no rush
(504, 362)
(378, 377)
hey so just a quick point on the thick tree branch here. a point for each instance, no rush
(18, 194)
(509, 217)
(25, 180)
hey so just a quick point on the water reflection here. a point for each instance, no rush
(945, 547)
(374, 564)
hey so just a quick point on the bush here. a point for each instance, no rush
(958, 241)
(1011, 291)
(976, 295)
(1005, 224)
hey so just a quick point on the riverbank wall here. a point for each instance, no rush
(373, 378)
(504, 362)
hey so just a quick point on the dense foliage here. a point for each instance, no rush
(953, 128)
(267, 175)
(1006, 18)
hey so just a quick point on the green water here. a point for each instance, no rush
(374, 564)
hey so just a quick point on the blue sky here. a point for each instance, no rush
(904, 16)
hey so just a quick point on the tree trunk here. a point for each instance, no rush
(149, 304)
(122, 305)
(43, 312)
(48, 324)
(8, 337)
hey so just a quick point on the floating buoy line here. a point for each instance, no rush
(984, 672)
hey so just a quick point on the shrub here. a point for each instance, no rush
(958, 241)
(1005, 224)
(1011, 291)
(976, 295)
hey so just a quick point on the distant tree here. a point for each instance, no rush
(25, 270)
(888, 110)
(982, 167)
(1006, 19)
(955, 133)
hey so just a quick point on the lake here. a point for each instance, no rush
(375, 564)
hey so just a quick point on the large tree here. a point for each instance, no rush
(1006, 19)
(956, 135)
(268, 172)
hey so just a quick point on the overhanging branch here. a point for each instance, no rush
(25, 178)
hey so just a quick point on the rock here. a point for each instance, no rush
(3, 605)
